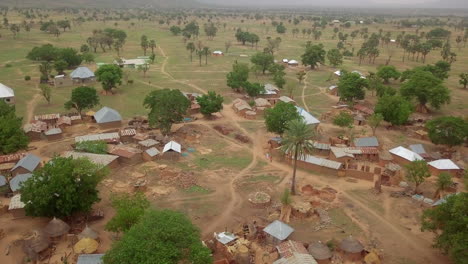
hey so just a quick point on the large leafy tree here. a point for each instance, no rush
(237, 78)
(276, 118)
(297, 143)
(161, 236)
(426, 88)
(313, 55)
(417, 172)
(110, 76)
(335, 57)
(166, 107)
(351, 86)
(210, 103)
(343, 120)
(448, 222)
(12, 137)
(448, 130)
(129, 209)
(262, 60)
(46, 52)
(83, 97)
(388, 72)
(394, 109)
(62, 187)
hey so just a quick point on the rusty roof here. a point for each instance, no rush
(125, 152)
(127, 132)
(47, 117)
(12, 157)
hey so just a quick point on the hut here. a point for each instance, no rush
(88, 233)
(54, 134)
(275, 142)
(63, 122)
(16, 207)
(241, 106)
(108, 118)
(444, 165)
(140, 137)
(366, 142)
(127, 155)
(392, 174)
(33, 131)
(36, 244)
(333, 90)
(86, 246)
(50, 119)
(7, 94)
(150, 154)
(293, 252)
(251, 115)
(15, 182)
(89, 115)
(90, 259)
(277, 232)
(293, 63)
(82, 75)
(56, 228)
(103, 160)
(27, 164)
(359, 119)
(352, 249)
(261, 104)
(270, 91)
(404, 156)
(172, 150)
(76, 119)
(148, 143)
(321, 253)
(126, 135)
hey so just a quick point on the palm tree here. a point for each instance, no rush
(296, 142)
(190, 47)
(152, 45)
(206, 52)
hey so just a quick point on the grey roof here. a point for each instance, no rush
(152, 152)
(3, 181)
(225, 237)
(366, 142)
(29, 162)
(418, 148)
(99, 159)
(90, 259)
(106, 115)
(17, 180)
(82, 73)
(278, 230)
(53, 131)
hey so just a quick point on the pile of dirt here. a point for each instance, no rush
(326, 194)
(223, 129)
(181, 179)
(242, 138)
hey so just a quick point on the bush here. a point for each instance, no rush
(96, 147)
(348, 53)
(27, 78)
(8, 65)
(130, 81)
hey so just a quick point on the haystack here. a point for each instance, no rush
(38, 242)
(351, 245)
(319, 251)
(56, 228)
(86, 246)
(88, 233)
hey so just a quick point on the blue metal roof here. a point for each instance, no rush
(17, 180)
(29, 162)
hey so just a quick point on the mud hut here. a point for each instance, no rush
(54, 134)
(56, 228)
(86, 246)
(320, 252)
(36, 244)
(88, 233)
(277, 232)
(151, 154)
(352, 249)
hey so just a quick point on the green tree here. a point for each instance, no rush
(262, 60)
(343, 120)
(444, 181)
(129, 209)
(297, 143)
(463, 79)
(46, 52)
(70, 56)
(448, 130)
(210, 103)
(280, 28)
(374, 121)
(206, 52)
(254, 89)
(277, 117)
(351, 87)
(60, 66)
(144, 43)
(301, 76)
(335, 57)
(82, 98)
(448, 222)
(426, 88)
(152, 45)
(237, 78)
(110, 76)
(62, 187)
(394, 109)
(278, 74)
(161, 236)
(313, 55)
(96, 147)
(166, 107)
(375, 83)
(46, 92)
(388, 72)
(88, 57)
(12, 137)
(191, 48)
(417, 172)
(175, 30)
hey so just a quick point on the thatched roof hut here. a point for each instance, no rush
(319, 251)
(56, 228)
(351, 245)
(86, 246)
(88, 233)
(38, 242)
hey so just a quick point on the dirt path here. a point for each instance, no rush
(31, 106)
(163, 66)
(303, 92)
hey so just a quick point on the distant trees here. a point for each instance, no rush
(191, 30)
(314, 54)
(335, 57)
(272, 45)
(438, 33)
(351, 86)
(210, 103)
(62, 187)
(82, 98)
(388, 72)
(417, 172)
(394, 109)
(63, 57)
(277, 70)
(277, 117)
(110, 76)
(237, 78)
(166, 107)
(210, 30)
(243, 37)
(191, 48)
(144, 43)
(175, 30)
(108, 38)
(463, 79)
(280, 28)
(12, 137)
(262, 60)
(449, 130)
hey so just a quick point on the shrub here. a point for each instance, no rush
(96, 147)
(27, 78)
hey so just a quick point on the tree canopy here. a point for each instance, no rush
(394, 109)
(448, 130)
(82, 98)
(351, 86)
(314, 54)
(417, 172)
(343, 120)
(426, 88)
(109, 75)
(335, 57)
(388, 72)
(254, 89)
(210, 103)
(62, 187)
(237, 78)
(166, 107)
(262, 60)
(129, 209)
(12, 137)
(49, 53)
(276, 118)
(161, 236)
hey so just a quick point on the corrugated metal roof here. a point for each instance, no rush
(341, 152)
(172, 145)
(444, 164)
(418, 148)
(148, 142)
(106, 115)
(308, 118)
(29, 162)
(127, 132)
(286, 99)
(152, 152)
(90, 259)
(47, 117)
(98, 137)
(3, 180)
(321, 146)
(82, 73)
(278, 230)
(11, 157)
(53, 131)
(16, 203)
(6, 91)
(405, 153)
(225, 237)
(322, 162)
(366, 142)
(99, 159)
(17, 180)
(270, 89)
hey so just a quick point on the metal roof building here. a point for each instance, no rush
(172, 145)
(107, 115)
(16, 181)
(366, 142)
(90, 259)
(98, 137)
(405, 154)
(152, 152)
(308, 118)
(3, 181)
(5, 91)
(99, 159)
(444, 164)
(322, 162)
(278, 230)
(29, 162)
(82, 73)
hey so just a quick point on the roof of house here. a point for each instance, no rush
(16, 203)
(98, 137)
(53, 131)
(29, 162)
(152, 152)
(351, 245)
(172, 145)
(444, 164)
(405, 153)
(217, 52)
(293, 62)
(124, 151)
(319, 251)
(225, 237)
(322, 162)
(12, 157)
(127, 132)
(90, 259)
(293, 252)
(148, 142)
(262, 102)
(364, 109)
(6, 91)
(308, 118)
(333, 87)
(286, 99)
(321, 146)
(16, 181)
(366, 142)
(47, 117)
(341, 152)
(278, 230)
(240, 105)
(82, 73)
(134, 62)
(297, 258)
(270, 89)
(418, 148)
(99, 159)
(106, 115)
(64, 120)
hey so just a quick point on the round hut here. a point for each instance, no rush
(56, 228)
(34, 245)
(86, 246)
(88, 233)
(320, 252)
(352, 248)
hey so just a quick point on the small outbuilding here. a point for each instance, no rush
(54, 134)
(172, 150)
(33, 131)
(218, 53)
(56, 228)
(27, 164)
(148, 143)
(7, 94)
(16, 207)
(63, 122)
(293, 252)
(277, 232)
(88, 233)
(151, 154)
(110, 161)
(82, 75)
(321, 253)
(352, 249)
(126, 135)
(293, 63)
(404, 156)
(90, 259)
(366, 142)
(127, 155)
(108, 118)
(444, 165)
